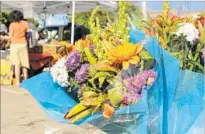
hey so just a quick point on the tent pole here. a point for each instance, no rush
(73, 22)
(144, 9)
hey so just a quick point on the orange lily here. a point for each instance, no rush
(81, 44)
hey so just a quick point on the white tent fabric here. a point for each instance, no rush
(54, 7)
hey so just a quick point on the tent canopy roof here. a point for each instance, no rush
(57, 6)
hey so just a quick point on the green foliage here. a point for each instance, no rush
(144, 55)
(187, 52)
(122, 22)
(95, 36)
(113, 34)
(5, 18)
(99, 81)
(162, 26)
(147, 61)
(115, 96)
(135, 14)
(33, 21)
(82, 18)
(90, 57)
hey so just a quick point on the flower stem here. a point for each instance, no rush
(199, 47)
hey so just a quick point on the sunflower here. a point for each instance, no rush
(125, 54)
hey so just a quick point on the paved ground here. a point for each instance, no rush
(20, 114)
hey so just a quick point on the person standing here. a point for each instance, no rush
(18, 48)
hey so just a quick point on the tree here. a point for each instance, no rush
(5, 18)
(82, 18)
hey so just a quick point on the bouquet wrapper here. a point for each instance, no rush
(173, 105)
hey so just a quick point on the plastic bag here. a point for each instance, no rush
(160, 111)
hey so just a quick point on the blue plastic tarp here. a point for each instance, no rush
(173, 105)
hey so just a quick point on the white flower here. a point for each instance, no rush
(59, 73)
(195, 16)
(189, 31)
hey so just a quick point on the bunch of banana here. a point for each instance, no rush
(78, 112)
(90, 103)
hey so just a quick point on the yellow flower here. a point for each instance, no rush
(81, 44)
(125, 54)
(65, 48)
(166, 7)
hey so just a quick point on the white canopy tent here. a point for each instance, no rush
(54, 7)
(32, 9)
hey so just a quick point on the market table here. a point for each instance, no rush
(39, 57)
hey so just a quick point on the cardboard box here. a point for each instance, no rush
(52, 49)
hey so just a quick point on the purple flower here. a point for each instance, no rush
(73, 61)
(82, 73)
(151, 76)
(131, 97)
(135, 85)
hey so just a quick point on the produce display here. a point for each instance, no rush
(107, 70)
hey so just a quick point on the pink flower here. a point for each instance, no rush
(136, 84)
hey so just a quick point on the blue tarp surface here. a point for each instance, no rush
(173, 105)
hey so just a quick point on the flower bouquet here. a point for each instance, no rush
(106, 74)
(183, 37)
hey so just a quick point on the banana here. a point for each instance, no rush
(81, 115)
(75, 110)
(93, 103)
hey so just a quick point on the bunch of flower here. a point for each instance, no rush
(94, 69)
(183, 37)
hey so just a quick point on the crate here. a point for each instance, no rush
(51, 49)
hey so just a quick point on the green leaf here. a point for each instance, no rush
(115, 96)
(101, 80)
(196, 64)
(202, 37)
(90, 56)
(149, 64)
(145, 55)
(102, 74)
